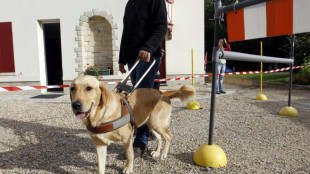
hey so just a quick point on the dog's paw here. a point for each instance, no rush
(128, 170)
(163, 156)
(155, 154)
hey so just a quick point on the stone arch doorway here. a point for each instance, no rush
(97, 41)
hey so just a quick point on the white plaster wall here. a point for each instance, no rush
(25, 15)
(188, 32)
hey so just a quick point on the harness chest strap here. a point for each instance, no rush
(125, 118)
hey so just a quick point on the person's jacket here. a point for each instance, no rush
(223, 61)
(145, 26)
(227, 48)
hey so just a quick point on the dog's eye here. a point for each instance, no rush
(89, 88)
(72, 88)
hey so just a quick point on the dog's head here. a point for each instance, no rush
(85, 95)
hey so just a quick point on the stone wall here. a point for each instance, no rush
(97, 42)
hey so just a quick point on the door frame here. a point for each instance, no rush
(42, 53)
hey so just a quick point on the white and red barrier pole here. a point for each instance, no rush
(21, 88)
(261, 96)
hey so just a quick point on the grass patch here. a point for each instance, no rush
(270, 77)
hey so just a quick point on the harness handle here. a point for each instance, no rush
(129, 89)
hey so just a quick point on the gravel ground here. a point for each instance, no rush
(43, 136)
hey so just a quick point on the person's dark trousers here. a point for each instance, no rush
(141, 139)
(156, 84)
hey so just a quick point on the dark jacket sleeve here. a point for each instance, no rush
(121, 53)
(159, 26)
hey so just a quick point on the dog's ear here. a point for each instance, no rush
(102, 88)
(70, 95)
(103, 95)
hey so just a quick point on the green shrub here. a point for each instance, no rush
(302, 77)
(93, 70)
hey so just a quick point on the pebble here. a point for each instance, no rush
(43, 136)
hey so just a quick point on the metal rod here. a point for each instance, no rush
(218, 10)
(193, 82)
(230, 55)
(127, 75)
(215, 60)
(291, 70)
(147, 71)
(238, 5)
(261, 68)
(192, 50)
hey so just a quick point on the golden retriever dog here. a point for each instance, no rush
(95, 105)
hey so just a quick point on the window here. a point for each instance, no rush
(6, 48)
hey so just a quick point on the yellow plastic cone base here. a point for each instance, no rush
(261, 97)
(289, 111)
(210, 156)
(193, 105)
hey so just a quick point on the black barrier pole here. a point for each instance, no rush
(218, 11)
(291, 70)
(215, 59)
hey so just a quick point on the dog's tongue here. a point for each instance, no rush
(80, 115)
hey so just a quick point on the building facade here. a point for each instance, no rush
(47, 42)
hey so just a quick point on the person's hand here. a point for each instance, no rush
(144, 56)
(121, 68)
(225, 40)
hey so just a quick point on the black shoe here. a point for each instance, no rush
(218, 92)
(222, 92)
(139, 151)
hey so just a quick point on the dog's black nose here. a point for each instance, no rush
(77, 105)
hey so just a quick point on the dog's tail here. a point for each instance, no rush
(183, 93)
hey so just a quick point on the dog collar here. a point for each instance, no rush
(126, 117)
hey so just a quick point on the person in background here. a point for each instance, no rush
(145, 26)
(157, 84)
(221, 66)
(206, 61)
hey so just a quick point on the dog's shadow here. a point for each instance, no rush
(48, 148)
(120, 152)
(58, 150)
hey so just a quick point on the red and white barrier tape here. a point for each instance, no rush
(20, 88)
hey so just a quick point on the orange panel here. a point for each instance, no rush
(235, 25)
(279, 17)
